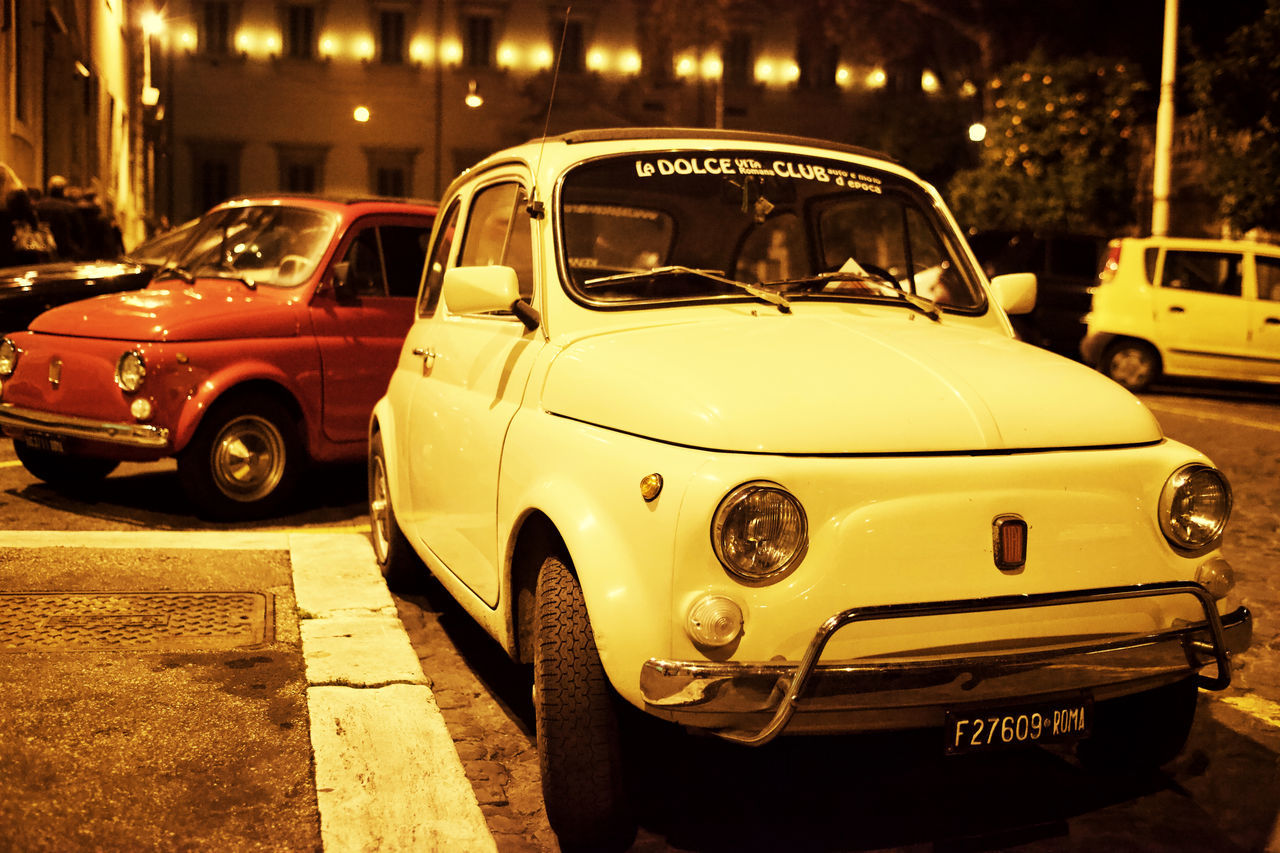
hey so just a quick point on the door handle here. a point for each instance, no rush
(428, 356)
(1177, 309)
(1272, 321)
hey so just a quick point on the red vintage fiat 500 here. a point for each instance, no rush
(261, 348)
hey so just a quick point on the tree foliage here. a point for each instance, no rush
(1056, 157)
(1236, 93)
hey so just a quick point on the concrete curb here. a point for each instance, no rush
(388, 777)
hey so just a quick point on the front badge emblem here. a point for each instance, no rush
(1009, 538)
(55, 372)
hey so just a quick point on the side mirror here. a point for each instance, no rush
(1015, 292)
(342, 289)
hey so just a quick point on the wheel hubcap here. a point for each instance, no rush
(379, 509)
(248, 458)
(1130, 367)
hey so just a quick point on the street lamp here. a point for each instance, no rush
(152, 26)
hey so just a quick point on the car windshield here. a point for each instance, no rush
(268, 245)
(661, 226)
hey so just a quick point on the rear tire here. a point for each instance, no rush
(59, 469)
(1139, 733)
(397, 561)
(579, 748)
(1133, 364)
(244, 460)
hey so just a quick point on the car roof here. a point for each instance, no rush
(352, 206)
(1204, 244)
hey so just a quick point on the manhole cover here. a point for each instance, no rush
(132, 620)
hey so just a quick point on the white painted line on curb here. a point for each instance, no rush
(1263, 710)
(215, 540)
(388, 777)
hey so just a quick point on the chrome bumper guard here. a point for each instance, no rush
(898, 689)
(15, 421)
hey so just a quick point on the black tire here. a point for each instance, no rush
(400, 566)
(60, 469)
(1133, 364)
(244, 461)
(1137, 734)
(579, 747)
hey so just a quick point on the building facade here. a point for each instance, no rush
(395, 97)
(67, 105)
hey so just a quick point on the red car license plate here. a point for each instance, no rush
(982, 729)
(43, 441)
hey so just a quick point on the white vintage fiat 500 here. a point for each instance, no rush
(730, 428)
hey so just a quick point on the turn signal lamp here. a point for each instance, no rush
(714, 621)
(1217, 577)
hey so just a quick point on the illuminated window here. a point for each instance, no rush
(391, 40)
(739, 60)
(299, 25)
(214, 27)
(478, 41)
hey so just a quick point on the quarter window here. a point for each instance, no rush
(1268, 278)
(433, 275)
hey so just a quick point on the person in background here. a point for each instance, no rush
(18, 220)
(63, 220)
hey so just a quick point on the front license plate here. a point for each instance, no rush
(985, 729)
(43, 441)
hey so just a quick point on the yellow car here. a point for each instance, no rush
(729, 429)
(1182, 307)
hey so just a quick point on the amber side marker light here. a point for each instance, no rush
(1009, 536)
(651, 487)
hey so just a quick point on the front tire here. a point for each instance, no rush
(1139, 733)
(59, 469)
(579, 748)
(1133, 364)
(397, 561)
(244, 460)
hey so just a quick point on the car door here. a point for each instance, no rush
(1264, 325)
(1201, 321)
(473, 374)
(360, 321)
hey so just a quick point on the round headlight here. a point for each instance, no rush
(759, 531)
(1194, 506)
(131, 370)
(8, 357)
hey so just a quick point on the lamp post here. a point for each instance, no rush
(1161, 166)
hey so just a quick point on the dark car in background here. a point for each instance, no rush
(29, 290)
(1066, 268)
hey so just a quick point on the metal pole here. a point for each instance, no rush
(1164, 124)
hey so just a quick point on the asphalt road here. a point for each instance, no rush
(862, 793)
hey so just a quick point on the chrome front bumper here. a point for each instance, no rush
(754, 702)
(16, 421)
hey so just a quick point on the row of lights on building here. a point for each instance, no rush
(267, 44)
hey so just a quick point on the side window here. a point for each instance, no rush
(364, 265)
(404, 250)
(498, 232)
(1204, 272)
(434, 273)
(1268, 278)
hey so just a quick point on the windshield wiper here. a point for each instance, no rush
(710, 275)
(172, 271)
(924, 305)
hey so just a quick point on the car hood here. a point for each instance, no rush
(210, 309)
(78, 273)
(826, 385)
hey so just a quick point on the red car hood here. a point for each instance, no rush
(210, 309)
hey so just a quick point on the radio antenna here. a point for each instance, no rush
(535, 204)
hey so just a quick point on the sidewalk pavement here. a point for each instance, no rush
(156, 688)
